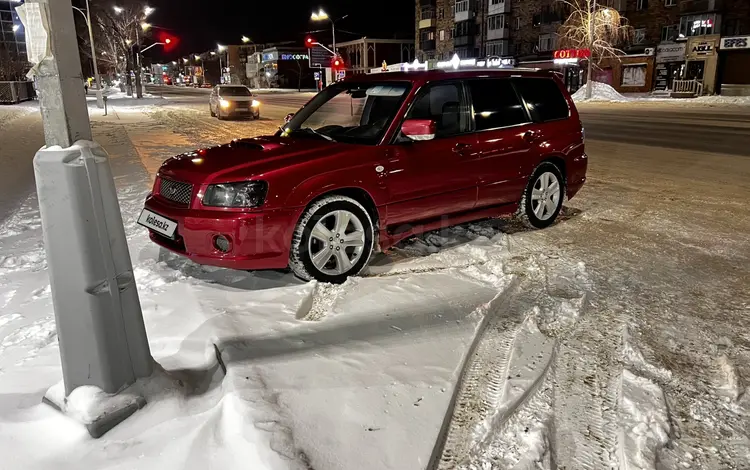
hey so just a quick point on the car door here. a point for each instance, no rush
(428, 179)
(505, 140)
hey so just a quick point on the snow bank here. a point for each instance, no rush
(600, 92)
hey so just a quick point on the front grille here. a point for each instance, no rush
(176, 191)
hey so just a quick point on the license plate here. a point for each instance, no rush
(157, 223)
(241, 109)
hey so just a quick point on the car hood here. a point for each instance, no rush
(245, 158)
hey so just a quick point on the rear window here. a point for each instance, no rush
(496, 104)
(544, 98)
(234, 91)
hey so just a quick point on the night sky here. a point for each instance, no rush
(202, 24)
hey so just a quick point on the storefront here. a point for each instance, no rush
(734, 66)
(569, 61)
(670, 65)
(285, 68)
(627, 74)
(702, 61)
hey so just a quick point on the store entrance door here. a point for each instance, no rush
(696, 70)
(573, 77)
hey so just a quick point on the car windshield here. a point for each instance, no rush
(234, 91)
(357, 113)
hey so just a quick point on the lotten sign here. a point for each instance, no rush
(736, 42)
(572, 54)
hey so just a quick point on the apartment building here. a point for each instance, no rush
(703, 40)
(12, 39)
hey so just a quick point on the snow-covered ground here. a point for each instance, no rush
(603, 92)
(606, 341)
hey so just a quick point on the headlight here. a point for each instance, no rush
(224, 103)
(245, 194)
(256, 103)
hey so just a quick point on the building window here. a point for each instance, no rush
(547, 42)
(426, 35)
(496, 22)
(639, 36)
(697, 25)
(497, 48)
(669, 33)
(461, 7)
(670, 3)
(496, 2)
(634, 74)
(641, 5)
(736, 27)
(442, 35)
(441, 13)
(464, 28)
(517, 24)
(428, 13)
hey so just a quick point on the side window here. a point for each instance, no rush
(442, 103)
(496, 104)
(544, 98)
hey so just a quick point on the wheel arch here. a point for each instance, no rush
(558, 161)
(360, 195)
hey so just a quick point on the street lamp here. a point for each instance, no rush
(245, 39)
(117, 9)
(321, 15)
(148, 10)
(221, 68)
(87, 17)
(145, 26)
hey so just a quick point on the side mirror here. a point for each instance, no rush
(419, 129)
(288, 117)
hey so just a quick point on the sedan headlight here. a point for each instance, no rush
(255, 103)
(224, 103)
(245, 194)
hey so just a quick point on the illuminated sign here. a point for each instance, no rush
(572, 54)
(740, 42)
(295, 57)
(416, 65)
(457, 62)
(269, 56)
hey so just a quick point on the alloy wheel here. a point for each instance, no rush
(545, 195)
(336, 242)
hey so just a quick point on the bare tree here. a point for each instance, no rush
(600, 29)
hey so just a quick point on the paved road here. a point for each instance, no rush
(723, 129)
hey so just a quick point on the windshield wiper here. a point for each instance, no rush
(310, 130)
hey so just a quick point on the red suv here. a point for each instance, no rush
(370, 161)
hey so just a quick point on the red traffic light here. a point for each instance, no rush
(309, 41)
(168, 41)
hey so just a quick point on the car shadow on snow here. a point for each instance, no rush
(421, 245)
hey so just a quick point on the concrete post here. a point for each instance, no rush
(98, 316)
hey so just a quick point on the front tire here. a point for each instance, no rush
(333, 240)
(543, 197)
(211, 109)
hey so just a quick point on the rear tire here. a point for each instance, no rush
(543, 197)
(333, 240)
(213, 114)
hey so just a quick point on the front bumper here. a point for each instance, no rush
(240, 109)
(257, 240)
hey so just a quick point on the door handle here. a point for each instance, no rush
(460, 147)
(530, 136)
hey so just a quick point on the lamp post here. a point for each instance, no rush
(321, 15)
(221, 69)
(87, 17)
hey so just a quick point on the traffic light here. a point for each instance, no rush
(337, 62)
(309, 42)
(170, 41)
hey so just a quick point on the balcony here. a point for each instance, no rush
(699, 6)
(428, 45)
(463, 41)
(427, 3)
(495, 7)
(462, 11)
(427, 18)
(500, 33)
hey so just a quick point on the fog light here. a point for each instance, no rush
(221, 243)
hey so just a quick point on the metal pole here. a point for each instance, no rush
(137, 48)
(592, 17)
(221, 70)
(99, 91)
(333, 33)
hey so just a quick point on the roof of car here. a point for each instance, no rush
(430, 75)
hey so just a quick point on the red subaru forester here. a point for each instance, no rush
(370, 161)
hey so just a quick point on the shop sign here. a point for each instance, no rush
(670, 53)
(572, 54)
(268, 56)
(295, 57)
(491, 62)
(703, 48)
(737, 42)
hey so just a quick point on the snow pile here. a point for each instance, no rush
(721, 100)
(600, 92)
